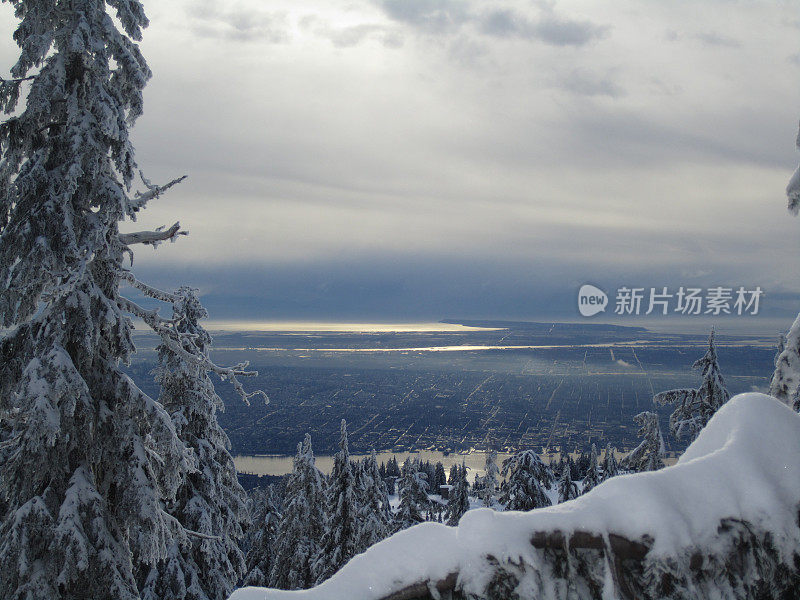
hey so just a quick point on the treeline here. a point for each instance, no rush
(307, 527)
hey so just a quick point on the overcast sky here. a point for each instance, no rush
(419, 159)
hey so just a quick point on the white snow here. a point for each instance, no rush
(745, 464)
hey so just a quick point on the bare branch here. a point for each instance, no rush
(152, 237)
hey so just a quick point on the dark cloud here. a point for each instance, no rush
(403, 288)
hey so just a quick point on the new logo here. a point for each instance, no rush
(591, 300)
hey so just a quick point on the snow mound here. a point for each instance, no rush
(745, 465)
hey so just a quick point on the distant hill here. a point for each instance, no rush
(545, 328)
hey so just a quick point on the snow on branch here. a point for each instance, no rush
(153, 238)
(147, 290)
(153, 191)
(171, 338)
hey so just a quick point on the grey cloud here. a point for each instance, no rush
(709, 38)
(348, 37)
(206, 19)
(585, 83)
(430, 15)
(440, 16)
(715, 39)
(559, 31)
(503, 23)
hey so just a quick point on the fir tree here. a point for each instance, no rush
(265, 517)
(526, 479)
(392, 468)
(582, 465)
(299, 530)
(793, 188)
(340, 539)
(453, 475)
(786, 378)
(489, 480)
(89, 461)
(567, 490)
(610, 467)
(439, 477)
(574, 472)
(592, 477)
(210, 502)
(458, 500)
(414, 502)
(785, 384)
(375, 515)
(649, 454)
(696, 407)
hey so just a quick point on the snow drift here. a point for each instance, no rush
(722, 522)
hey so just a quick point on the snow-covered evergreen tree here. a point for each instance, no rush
(299, 530)
(526, 479)
(786, 378)
(567, 489)
(412, 490)
(458, 500)
(210, 501)
(89, 461)
(453, 475)
(793, 188)
(392, 468)
(375, 516)
(649, 454)
(489, 479)
(785, 384)
(694, 408)
(592, 477)
(265, 517)
(610, 467)
(340, 538)
(439, 478)
(574, 472)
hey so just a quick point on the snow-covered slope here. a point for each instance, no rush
(734, 493)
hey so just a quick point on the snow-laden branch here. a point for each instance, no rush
(202, 536)
(17, 79)
(172, 339)
(153, 237)
(153, 191)
(147, 290)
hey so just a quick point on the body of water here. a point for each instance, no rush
(474, 461)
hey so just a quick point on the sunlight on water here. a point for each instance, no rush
(319, 326)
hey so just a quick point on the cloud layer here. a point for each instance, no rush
(547, 141)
